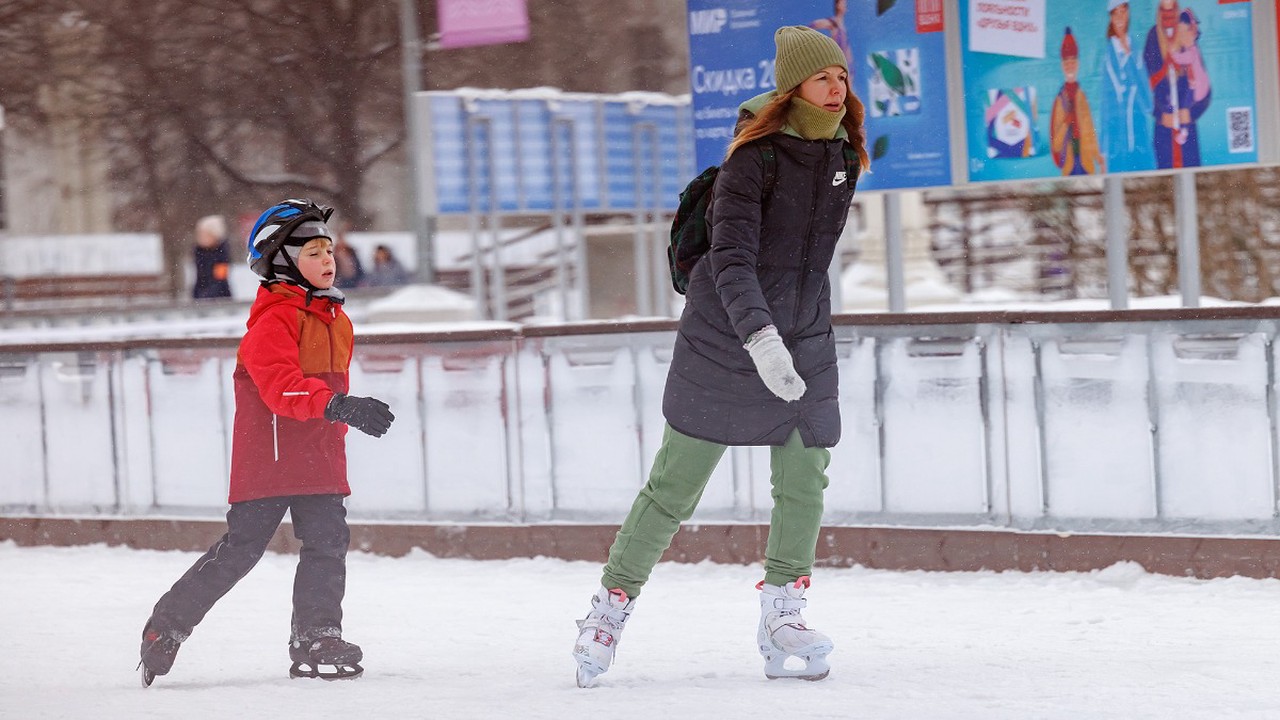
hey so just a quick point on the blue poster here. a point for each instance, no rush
(1091, 87)
(901, 78)
(897, 67)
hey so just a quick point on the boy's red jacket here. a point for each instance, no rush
(293, 358)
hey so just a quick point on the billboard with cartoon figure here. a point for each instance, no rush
(896, 55)
(901, 78)
(1106, 86)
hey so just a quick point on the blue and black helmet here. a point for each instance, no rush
(299, 219)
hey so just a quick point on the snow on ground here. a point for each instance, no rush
(463, 639)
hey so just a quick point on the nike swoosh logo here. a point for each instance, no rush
(838, 179)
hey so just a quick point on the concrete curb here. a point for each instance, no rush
(884, 548)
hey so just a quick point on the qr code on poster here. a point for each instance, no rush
(1240, 129)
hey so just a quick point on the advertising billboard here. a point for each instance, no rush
(1094, 87)
(897, 63)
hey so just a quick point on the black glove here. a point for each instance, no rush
(368, 415)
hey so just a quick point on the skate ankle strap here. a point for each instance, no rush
(617, 615)
(789, 604)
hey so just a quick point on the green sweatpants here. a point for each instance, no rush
(679, 475)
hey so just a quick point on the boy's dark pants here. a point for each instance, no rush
(319, 521)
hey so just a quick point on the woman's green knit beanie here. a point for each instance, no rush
(802, 52)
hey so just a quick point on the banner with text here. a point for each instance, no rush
(465, 23)
(897, 63)
(1106, 86)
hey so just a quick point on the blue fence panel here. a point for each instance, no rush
(565, 152)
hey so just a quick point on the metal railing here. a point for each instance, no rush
(1135, 421)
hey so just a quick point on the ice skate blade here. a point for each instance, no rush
(814, 657)
(587, 677)
(588, 670)
(148, 677)
(814, 670)
(340, 671)
(810, 678)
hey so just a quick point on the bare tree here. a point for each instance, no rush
(213, 103)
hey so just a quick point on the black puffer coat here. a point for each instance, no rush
(767, 266)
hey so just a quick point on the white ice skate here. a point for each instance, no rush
(598, 634)
(783, 634)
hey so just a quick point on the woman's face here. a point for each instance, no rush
(826, 88)
(206, 239)
(1120, 19)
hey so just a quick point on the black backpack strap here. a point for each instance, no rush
(852, 163)
(769, 155)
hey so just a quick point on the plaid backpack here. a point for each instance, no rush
(690, 236)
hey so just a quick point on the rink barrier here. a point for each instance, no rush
(886, 548)
(1109, 424)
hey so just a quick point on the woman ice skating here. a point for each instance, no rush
(754, 360)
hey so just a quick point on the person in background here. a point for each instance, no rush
(755, 355)
(1126, 97)
(835, 26)
(1180, 88)
(1075, 144)
(386, 271)
(350, 269)
(288, 450)
(212, 256)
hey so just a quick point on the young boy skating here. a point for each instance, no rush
(288, 451)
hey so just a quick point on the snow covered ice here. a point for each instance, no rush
(469, 639)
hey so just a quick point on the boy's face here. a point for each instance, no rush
(315, 262)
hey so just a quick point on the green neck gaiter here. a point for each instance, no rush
(813, 122)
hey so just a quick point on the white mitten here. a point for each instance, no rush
(773, 362)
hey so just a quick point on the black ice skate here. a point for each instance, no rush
(159, 648)
(327, 658)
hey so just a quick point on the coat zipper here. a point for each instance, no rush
(804, 256)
